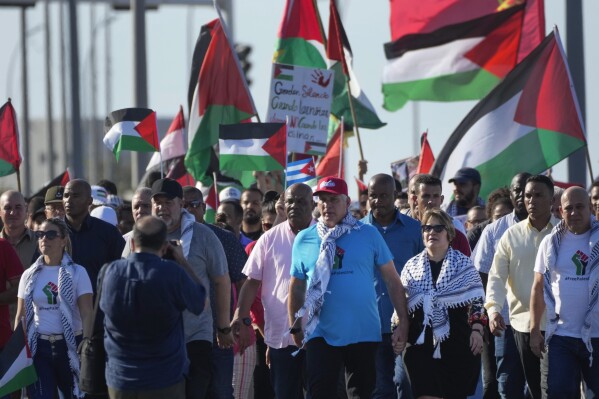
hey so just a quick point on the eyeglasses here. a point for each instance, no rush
(437, 228)
(192, 204)
(50, 234)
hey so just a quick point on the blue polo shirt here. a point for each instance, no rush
(349, 314)
(404, 239)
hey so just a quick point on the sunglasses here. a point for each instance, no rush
(437, 228)
(192, 204)
(50, 234)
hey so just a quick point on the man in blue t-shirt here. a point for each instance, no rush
(143, 298)
(332, 274)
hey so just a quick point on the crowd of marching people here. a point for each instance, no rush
(302, 293)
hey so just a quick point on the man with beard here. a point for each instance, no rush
(502, 371)
(251, 203)
(404, 239)
(466, 186)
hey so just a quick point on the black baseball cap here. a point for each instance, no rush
(466, 174)
(168, 187)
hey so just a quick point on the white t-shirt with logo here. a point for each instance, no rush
(46, 303)
(570, 283)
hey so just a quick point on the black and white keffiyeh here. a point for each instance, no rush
(551, 254)
(322, 271)
(67, 303)
(458, 285)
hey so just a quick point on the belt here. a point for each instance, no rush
(54, 337)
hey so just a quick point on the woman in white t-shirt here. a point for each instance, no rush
(55, 298)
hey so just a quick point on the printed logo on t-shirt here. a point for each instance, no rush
(580, 260)
(51, 291)
(338, 263)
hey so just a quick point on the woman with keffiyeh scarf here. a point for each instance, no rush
(55, 298)
(445, 305)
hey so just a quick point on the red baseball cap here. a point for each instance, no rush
(331, 185)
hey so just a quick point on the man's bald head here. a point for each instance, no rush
(13, 212)
(382, 179)
(12, 195)
(576, 210)
(299, 205)
(149, 234)
(80, 184)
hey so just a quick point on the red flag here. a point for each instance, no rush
(427, 159)
(10, 159)
(337, 39)
(331, 164)
(361, 185)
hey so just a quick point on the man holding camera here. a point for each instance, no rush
(131, 331)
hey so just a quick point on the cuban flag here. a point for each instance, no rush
(300, 171)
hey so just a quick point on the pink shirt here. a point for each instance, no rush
(270, 262)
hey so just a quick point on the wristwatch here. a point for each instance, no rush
(224, 330)
(246, 321)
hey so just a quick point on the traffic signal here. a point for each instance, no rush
(243, 51)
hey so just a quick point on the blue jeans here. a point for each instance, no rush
(221, 383)
(51, 362)
(568, 362)
(287, 372)
(510, 375)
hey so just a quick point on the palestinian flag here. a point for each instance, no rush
(338, 49)
(132, 129)
(218, 94)
(16, 363)
(528, 123)
(10, 158)
(253, 146)
(457, 62)
(301, 38)
(426, 16)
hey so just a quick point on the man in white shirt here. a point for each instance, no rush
(565, 284)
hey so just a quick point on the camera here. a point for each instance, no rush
(168, 254)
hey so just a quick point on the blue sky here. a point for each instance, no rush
(171, 33)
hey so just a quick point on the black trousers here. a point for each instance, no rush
(535, 369)
(324, 363)
(489, 363)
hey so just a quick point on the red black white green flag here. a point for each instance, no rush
(463, 61)
(10, 158)
(16, 363)
(132, 129)
(253, 146)
(528, 123)
(217, 94)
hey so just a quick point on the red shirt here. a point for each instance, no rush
(10, 268)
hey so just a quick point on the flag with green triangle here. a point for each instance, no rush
(253, 146)
(131, 129)
(528, 123)
(10, 157)
(217, 94)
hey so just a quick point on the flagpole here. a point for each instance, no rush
(161, 165)
(215, 185)
(228, 36)
(19, 180)
(586, 150)
(340, 148)
(349, 94)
